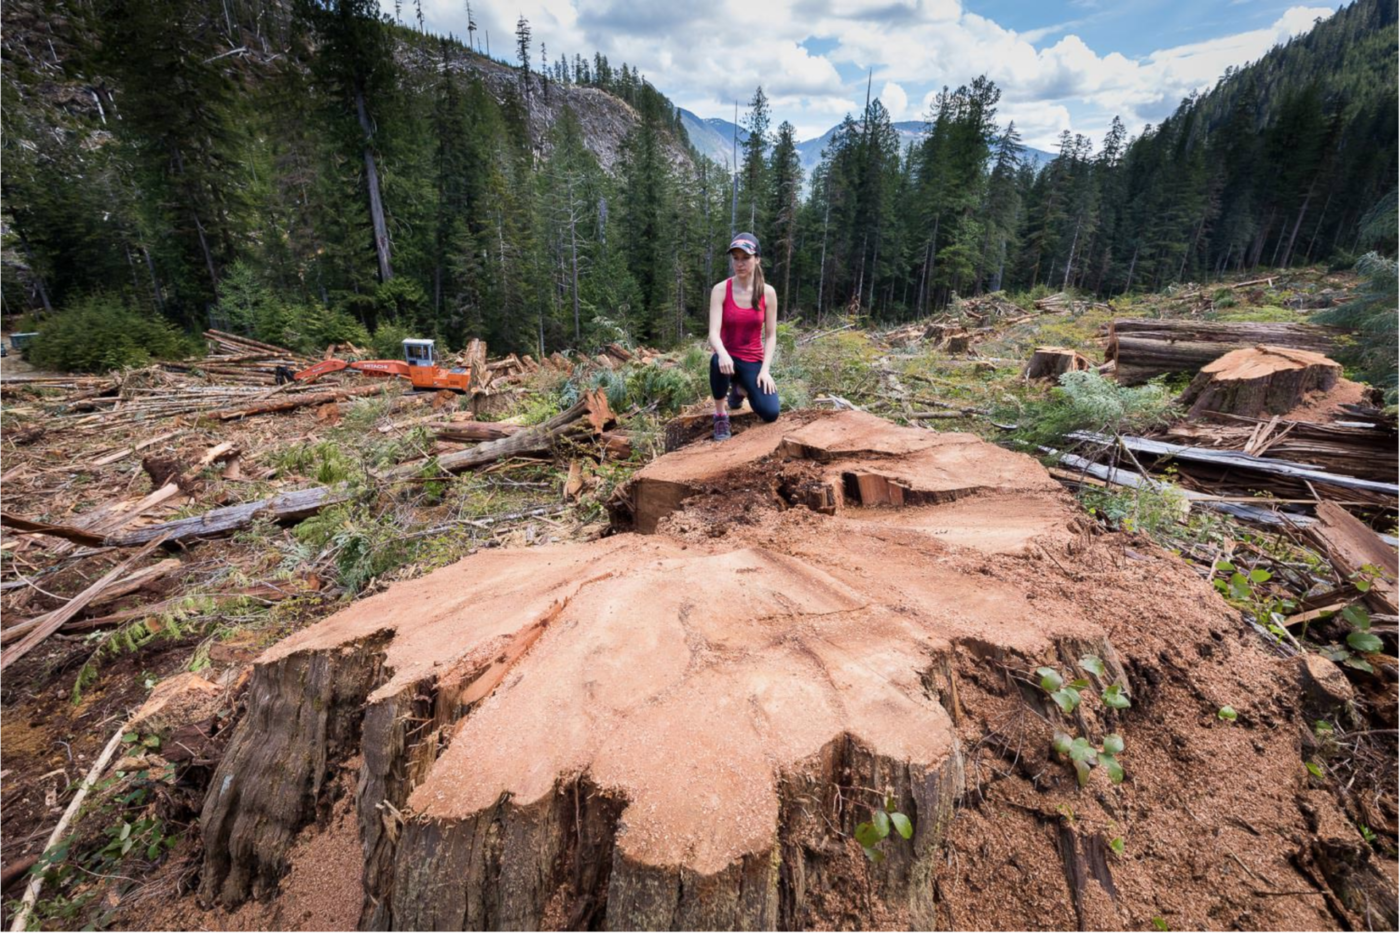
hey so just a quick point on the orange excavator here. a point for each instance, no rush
(419, 366)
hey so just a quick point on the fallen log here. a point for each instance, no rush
(1349, 546)
(1367, 451)
(1116, 476)
(67, 532)
(285, 506)
(121, 588)
(530, 441)
(54, 620)
(1260, 380)
(1147, 348)
(476, 430)
(1234, 463)
(36, 883)
(298, 401)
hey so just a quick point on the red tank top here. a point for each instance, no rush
(741, 329)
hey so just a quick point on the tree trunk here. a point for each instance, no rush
(1131, 266)
(376, 203)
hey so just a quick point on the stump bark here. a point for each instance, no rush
(1260, 381)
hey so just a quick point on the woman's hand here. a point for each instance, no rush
(726, 363)
(766, 385)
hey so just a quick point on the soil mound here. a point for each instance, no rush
(684, 728)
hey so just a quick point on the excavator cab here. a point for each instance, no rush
(419, 352)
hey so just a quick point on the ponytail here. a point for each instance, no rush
(760, 288)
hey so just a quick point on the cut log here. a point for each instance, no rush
(528, 442)
(474, 357)
(1054, 362)
(475, 430)
(141, 578)
(287, 506)
(300, 401)
(54, 620)
(1349, 545)
(1366, 451)
(1230, 470)
(67, 532)
(1259, 381)
(617, 444)
(1143, 349)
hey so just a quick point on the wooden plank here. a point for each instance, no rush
(1349, 545)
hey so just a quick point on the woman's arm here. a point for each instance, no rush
(726, 364)
(770, 339)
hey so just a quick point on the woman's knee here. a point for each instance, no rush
(719, 382)
(766, 406)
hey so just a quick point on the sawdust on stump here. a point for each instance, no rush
(682, 728)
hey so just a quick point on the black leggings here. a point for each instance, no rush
(746, 374)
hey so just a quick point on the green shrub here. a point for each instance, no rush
(1086, 401)
(316, 327)
(100, 333)
(388, 340)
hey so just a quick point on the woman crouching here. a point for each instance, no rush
(744, 335)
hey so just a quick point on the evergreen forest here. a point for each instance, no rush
(310, 171)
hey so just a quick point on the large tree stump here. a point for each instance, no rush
(1054, 362)
(1260, 381)
(683, 729)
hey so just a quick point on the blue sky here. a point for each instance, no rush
(1063, 64)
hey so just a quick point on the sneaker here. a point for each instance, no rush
(722, 432)
(736, 397)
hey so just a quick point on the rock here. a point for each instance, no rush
(1328, 691)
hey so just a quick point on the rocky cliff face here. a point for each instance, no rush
(606, 119)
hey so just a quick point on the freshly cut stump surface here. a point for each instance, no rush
(1261, 381)
(682, 729)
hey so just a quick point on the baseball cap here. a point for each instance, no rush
(746, 242)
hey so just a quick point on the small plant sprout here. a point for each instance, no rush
(1092, 664)
(1065, 695)
(1084, 756)
(1227, 713)
(1315, 770)
(871, 834)
(1118, 846)
(1115, 697)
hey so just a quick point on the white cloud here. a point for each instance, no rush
(706, 57)
(896, 101)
